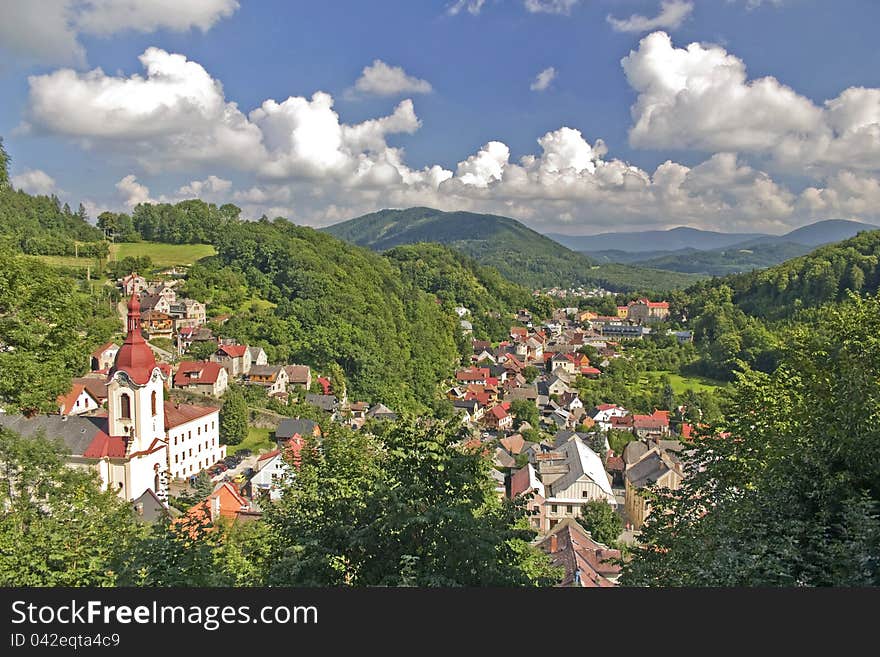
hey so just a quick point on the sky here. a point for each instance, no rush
(573, 116)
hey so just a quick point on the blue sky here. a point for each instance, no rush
(769, 121)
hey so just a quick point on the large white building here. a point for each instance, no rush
(143, 439)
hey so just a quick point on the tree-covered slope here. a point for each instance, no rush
(516, 251)
(335, 305)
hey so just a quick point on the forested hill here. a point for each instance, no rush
(519, 253)
(41, 225)
(338, 307)
(822, 276)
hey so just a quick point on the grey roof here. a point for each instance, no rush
(523, 392)
(563, 437)
(503, 459)
(76, 431)
(255, 351)
(327, 403)
(382, 411)
(290, 426)
(467, 404)
(264, 370)
(634, 450)
(149, 508)
(648, 470)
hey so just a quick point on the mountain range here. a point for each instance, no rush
(519, 253)
(709, 253)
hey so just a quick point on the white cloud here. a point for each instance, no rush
(473, 7)
(132, 192)
(35, 181)
(48, 31)
(298, 158)
(672, 14)
(380, 79)
(543, 79)
(550, 6)
(700, 98)
(209, 187)
(105, 17)
(176, 111)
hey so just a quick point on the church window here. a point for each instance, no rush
(153, 402)
(125, 402)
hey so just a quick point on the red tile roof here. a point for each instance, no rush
(103, 446)
(233, 350)
(325, 384)
(67, 401)
(177, 414)
(197, 373)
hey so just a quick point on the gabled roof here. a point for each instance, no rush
(77, 432)
(233, 350)
(197, 373)
(66, 402)
(289, 427)
(298, 373)
(587, 563)
(582, 461)
(97, 387)
(525, 480)
(648, 470)
(381, 411)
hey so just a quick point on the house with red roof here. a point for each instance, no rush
(77, 401)
(204, 377)
(644, 311)
(498, 418)
(477, 375)
(236, 358)
(655, 425)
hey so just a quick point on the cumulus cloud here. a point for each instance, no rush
(298, 158)
(473, 7)
(132, 192)
(543, 79)
(550, 6)
(700, 97)
(176, 111)
(672, 15)
(35, 181)
(48, 31)
(380, 79)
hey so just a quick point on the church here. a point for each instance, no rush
(142, 441)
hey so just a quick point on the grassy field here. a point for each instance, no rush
(70, 261)
(682, 383)
(162, 255)
(257, 441)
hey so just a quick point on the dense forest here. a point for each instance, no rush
(48, 324)
(785, 491)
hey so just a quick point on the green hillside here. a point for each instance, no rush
(516, 251)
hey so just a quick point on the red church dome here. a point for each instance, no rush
(135, 357)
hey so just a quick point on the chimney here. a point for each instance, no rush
(553, 543)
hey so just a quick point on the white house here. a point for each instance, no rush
(604, 412)
(272, 472)
(78, 401)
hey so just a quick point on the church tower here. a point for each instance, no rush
(135, 391)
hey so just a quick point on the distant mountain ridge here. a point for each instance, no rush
(683, 237)
(521, 254)
(738, 253)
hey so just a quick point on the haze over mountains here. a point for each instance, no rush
(712, 253)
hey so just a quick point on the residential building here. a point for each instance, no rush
(236, 358)
(656, 467)
(78, 401)
(644, 311)
(203, 377)
(188, 313)
(272, 472)
(498, 418)
(157, 324)
(572, 475)
(299, 375)
(102, 358)
(258, 356)
(587, 563)
(290, 427)
(271, 377)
